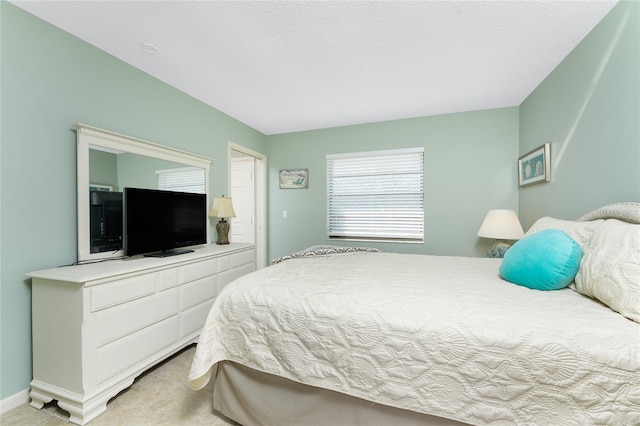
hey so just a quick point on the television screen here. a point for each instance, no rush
(157, 223)
(106, 221)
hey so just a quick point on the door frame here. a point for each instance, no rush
(260, 183)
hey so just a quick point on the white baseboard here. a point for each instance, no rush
(13, 401)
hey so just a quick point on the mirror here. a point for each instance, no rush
(108, 162)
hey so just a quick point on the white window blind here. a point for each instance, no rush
(376, 195)
(184, 179)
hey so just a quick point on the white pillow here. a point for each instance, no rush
(610, 268)
(580, 232)
(628, 212)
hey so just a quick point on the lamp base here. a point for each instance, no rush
(498, 249)
(222, 228)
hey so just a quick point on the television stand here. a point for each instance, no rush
(167, 253)
(96, 327)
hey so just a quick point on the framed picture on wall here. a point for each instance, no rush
(535, 166)
(294, 179)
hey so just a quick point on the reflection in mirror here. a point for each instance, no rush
(110, 172)
(116, 171)
(109, 162)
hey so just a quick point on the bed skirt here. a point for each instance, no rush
(251, 397)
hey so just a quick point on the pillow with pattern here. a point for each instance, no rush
(610, 268)
(580, 232)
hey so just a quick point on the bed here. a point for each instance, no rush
(356, 336)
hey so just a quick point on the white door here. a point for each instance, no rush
(243, 195)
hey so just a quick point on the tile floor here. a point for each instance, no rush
(159, 396)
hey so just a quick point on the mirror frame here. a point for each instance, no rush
(89, 137)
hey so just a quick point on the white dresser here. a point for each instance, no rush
(96, 327)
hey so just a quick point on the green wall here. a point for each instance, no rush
(469, 169)
(589, 110)
(103, 168)
(140, 172)
(51, 81)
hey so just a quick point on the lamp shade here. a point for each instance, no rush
(501, 225)
(222, 207)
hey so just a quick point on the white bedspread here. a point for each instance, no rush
(438, 335)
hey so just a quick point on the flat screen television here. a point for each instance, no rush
(159, 223)
(106, 221)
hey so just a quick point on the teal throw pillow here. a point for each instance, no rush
(546, 260)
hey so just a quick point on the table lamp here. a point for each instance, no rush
(222, 208)
(501, 225)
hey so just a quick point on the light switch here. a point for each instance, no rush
(284, 214)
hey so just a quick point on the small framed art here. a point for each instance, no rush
(294, 179)
(535, 166)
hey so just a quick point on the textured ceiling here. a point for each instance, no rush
(283, 66)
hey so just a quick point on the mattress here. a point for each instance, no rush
(438, 335)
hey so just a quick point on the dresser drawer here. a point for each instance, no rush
(126, 352)
(114, 293)
(227, 276)
(193, 319)
(199, 270)
(198, 291)
(168, 278)
(242, 258)
(124, 319)
(224, 263)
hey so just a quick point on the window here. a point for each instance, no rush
(184, 179)
(376, 195)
